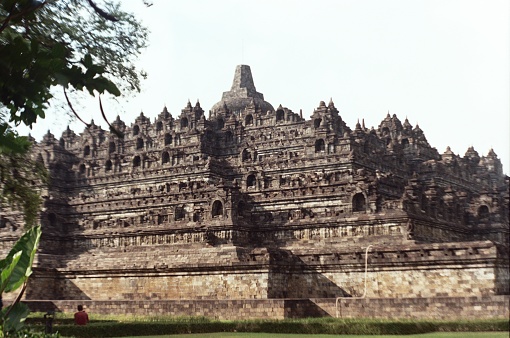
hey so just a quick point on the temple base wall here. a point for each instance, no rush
(454, 280)
(150, 285)
(441, 308)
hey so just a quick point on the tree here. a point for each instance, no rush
(73, 44)
(77, 45)
(19, 176)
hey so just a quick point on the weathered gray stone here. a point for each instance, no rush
(258, 203)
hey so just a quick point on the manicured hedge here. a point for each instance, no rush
(305, 326)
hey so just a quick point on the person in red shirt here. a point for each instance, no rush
(81, 317)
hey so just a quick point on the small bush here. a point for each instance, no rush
(181, 325)
(27, 333)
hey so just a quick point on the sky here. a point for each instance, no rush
(443, 64)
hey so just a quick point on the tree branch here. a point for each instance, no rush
(11, 16)
(72, 109)
(112, 128)
(101, 12)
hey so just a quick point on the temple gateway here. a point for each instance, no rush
(251, 211)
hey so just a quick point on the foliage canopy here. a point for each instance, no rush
(77, 45)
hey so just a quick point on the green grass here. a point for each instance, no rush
(285, 335)
(130, 326)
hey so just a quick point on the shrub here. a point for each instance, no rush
(182, 325)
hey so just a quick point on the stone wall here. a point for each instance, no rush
(450, 308)
(152, 285)
(438, 270)
(442, 308)
(420, 270)
(388, 283)
(448, 281)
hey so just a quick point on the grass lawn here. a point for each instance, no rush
(177, 327)
(286, 335)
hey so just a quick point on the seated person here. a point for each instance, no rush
(81, 317)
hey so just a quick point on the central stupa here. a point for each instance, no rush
(242, 93)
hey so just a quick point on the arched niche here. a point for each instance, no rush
(179, 214)
(184, 122)
(320, 146)
(139, 143)
(137, 161)
(165, 157)
(217, 209)
(483, 212)
(248, 120)
(358, 203)
(246, 155)
(251, 181)
(112, 147)
(385, 131)
(280, 115)
(159, 126)
(168, 139)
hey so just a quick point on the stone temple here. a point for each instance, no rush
(255, 212)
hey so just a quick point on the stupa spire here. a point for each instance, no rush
(243, 79)
(242, 93)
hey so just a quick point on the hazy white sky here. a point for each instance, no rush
(444, 64)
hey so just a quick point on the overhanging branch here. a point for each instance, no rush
(102, 13)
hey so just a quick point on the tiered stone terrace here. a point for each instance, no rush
(259, 203)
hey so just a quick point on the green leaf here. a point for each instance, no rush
(10, 142)
(15, 320)
(27, 244)
(58, 51)
(102, 84)
(7, 265)
(87, 61)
